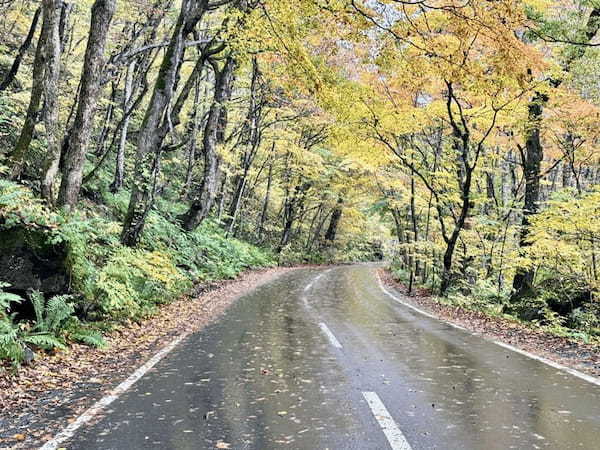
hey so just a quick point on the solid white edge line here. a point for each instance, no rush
(576, 373)
(101, 404)
(330, 335)
(393, 434)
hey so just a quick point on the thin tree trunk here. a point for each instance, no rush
(17, 155)
(117, 183)
(153, 129)
(523, 281)
(14, 69)
(193, 145)
(238, 201)
(265, 207)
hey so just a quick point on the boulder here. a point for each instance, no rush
(29, 262)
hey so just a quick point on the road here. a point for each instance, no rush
(324, 359)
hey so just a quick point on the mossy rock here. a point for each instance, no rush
(29, 262)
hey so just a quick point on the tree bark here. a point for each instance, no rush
(265, 207)
(117, 183)
(291, 205)
(72, 172)
(52, 14)
(334, 223)
(214, 135)
(17, 155)
(14, 69)
(523, 280)
(154, 129)
(192, 144)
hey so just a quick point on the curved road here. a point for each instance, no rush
(324, 359)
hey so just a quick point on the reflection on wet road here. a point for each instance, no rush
(323, 359)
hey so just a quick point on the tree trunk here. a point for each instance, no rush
(214, 135)
(72, 173)
(334, 223)
(14, 69)
(17, 155)
(291, 206)
(192, 145)
(523, 281)
(400, 234)
(153, 130)
(52, 13)
(265, 206)
(117, 183)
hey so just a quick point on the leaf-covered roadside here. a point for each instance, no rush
(107, 281)
(54, 391)
(570, 352)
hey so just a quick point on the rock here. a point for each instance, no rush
(28, 357)
(28, 262)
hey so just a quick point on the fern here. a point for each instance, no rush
(37, 299)
(10, 346)
(44, 340)
(89, 337)
(57, 311)
(6, 298)
(50, 317)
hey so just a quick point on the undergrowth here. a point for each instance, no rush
(581, 323)
(110, 282)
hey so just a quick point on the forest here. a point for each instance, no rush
(147, 146)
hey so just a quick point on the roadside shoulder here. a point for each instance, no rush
(573, 354)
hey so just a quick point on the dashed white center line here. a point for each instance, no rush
(390, 429)
(330, 335)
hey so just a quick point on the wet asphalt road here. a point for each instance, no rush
(287, 366)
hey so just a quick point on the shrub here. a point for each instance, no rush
(133, 282)
(482, 296)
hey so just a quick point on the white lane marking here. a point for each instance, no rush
(408, 305)
(386, 422)
(330, 335)
(101, 404)
(305, 301)
(549, 362)
(575, 373)
(312, 283)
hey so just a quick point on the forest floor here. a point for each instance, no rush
(48, 394)
(566, 351)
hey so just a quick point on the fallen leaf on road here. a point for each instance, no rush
(222, 444)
